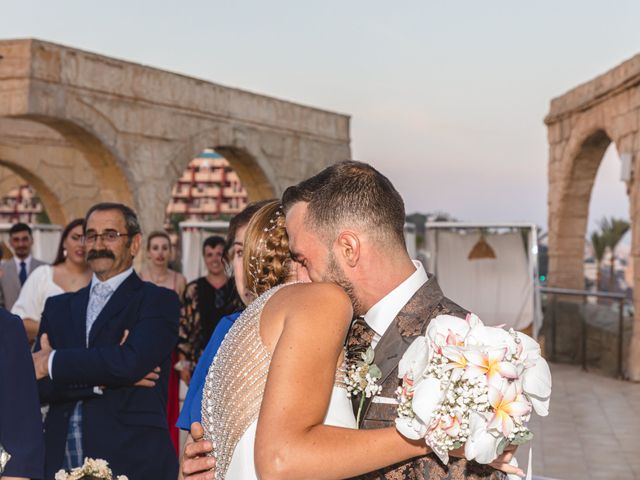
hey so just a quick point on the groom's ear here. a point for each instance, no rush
(348, 244)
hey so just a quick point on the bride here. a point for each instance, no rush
(276, 382)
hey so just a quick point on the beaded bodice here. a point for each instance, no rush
(235, 384)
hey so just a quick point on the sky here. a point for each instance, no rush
(446, 98)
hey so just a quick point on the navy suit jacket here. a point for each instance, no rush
(125, 425)
(20, 419)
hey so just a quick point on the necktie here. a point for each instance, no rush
(74, 453)
(100, 293)
(359, 338)
(23, 273)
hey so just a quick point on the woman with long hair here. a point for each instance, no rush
(157, 271)
(68, 273)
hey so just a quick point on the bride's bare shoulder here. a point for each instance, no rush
(305, 307)
(312, 295)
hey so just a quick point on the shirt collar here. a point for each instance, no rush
(27, 262)
(113, 282)
(380, 316)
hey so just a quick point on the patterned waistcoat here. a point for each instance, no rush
(427, 303)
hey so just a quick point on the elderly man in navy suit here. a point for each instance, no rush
(87, 372)
(20, 419)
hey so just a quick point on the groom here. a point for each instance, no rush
(346, 226)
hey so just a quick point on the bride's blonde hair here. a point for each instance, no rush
(266, 256)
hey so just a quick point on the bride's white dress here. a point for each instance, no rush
(340, 414)
(233, 393)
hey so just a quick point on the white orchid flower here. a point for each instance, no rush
(482, 335)
(415, 360)
(427, 397)
(528, 348)
(507, 403)
(482, 445)
(536, 384)
(411, 428)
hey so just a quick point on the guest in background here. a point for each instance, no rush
(16, 270)
(157, 271)
(206, 300)
(20, 420)
(157, 268)
(191, 408)
(69, 273)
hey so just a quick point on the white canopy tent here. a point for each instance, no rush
(503, 290)
(45, 240)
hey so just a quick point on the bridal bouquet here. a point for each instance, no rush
(467, 384)
(92, 469)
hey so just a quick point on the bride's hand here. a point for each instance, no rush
(197, 465)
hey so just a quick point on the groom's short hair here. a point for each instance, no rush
(351, 193)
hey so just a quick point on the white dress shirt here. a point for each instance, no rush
(382, 314)
(114, 283)
(27, 263)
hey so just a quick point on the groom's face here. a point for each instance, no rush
(306, 247)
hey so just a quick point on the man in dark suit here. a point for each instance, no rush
(16, 270)
(20, 419)
(87, 373)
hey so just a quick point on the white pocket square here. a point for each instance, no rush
(385, 400)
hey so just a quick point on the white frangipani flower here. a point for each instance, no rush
(482, 445)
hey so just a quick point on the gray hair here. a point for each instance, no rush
(130, 217)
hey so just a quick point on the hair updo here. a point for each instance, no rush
(266, 257)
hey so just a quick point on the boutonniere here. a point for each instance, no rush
(362, 379)
(4, 459)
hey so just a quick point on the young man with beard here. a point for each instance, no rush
(95, 346)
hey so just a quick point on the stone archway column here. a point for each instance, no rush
(633, 369)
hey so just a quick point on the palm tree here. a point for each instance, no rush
(599, 246)
(613, 229)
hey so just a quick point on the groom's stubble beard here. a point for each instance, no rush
(336, 275)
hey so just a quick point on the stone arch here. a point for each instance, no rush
(568, 225)
(49, 199)
(581, 124)
(64, 163)
(93, 144)
(254, 170)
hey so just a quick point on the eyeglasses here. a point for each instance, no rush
(108, 236)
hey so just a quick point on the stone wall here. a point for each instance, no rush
(82, 127)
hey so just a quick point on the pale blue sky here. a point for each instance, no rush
(446, 98)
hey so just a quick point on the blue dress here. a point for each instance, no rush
(192, 407)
